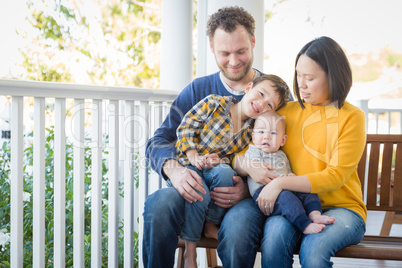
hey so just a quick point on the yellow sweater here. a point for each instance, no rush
(326, 144)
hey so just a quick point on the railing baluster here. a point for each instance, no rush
(113, 182)
(79, 183)
(155, 182)
(59, 183)
(39, 184)
(137, 133)
(128, 183)
(143, 166)
(96, 209)
(17, 182)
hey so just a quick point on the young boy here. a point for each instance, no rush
(209, 135)
(301, 209)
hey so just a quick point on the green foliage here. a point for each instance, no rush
(394, 60)
(49, 204)
(112, 43)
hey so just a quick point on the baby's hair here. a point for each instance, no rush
(269, 118)
(280, 87)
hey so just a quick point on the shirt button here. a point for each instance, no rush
(217, 139)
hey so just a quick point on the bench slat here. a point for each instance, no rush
(373, 174)
(371, 247)
(386, 174)
(397, 193)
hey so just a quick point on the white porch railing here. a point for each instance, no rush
(382, 121)
(128, 116)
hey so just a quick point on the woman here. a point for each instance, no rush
(326, 138)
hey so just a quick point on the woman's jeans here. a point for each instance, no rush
(281, 239)
(196, 213)
(239, 234)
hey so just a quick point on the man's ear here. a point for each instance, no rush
(285, 137)
(248, 87)
(253, 41)
(211, 46)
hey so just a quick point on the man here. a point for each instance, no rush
(231, 38)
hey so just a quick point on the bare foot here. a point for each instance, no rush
(316, 217)
(313, 228)
(190, 255)
(211, 230)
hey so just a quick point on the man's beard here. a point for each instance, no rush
(237, 77)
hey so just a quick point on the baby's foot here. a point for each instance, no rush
(316, 217)
(211, 230)
(313, 228)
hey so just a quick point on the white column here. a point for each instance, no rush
(256, 9)
(176, 44)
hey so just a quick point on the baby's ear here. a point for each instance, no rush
(285, 137)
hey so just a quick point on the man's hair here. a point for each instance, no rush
(280, 87)
(329, 55)
(228, 18)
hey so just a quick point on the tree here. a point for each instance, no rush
(94, 42)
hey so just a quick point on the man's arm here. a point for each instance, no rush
(161, 153)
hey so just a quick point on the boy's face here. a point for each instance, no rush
(269, 133)
(260, 99)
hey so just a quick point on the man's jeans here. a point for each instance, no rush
(239, 234)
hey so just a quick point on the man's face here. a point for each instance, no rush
(233, 52)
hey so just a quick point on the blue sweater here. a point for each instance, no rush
(161, 146)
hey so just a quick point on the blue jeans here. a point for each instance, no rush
(281, 239)
(294, 206)
(196, 213)
(239, 234)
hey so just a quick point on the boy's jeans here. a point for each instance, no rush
(196, 213)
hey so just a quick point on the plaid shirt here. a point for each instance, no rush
(206, 127)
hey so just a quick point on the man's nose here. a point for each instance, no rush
(233, 60)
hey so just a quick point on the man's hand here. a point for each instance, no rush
(227, 197)
(184, 180)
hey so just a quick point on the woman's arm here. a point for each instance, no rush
(267, 198)
(259, 171)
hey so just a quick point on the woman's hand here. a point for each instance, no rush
(259, 171)
(267, 198)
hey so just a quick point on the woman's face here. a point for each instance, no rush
(313, 82)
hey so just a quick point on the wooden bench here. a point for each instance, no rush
(380, 173)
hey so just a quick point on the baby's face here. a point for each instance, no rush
(269, 133)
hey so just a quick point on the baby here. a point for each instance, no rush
(301, 209)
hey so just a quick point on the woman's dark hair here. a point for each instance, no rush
(332, 59)
(228, 18)
(280, 87)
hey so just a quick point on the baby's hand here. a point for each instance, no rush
(212, 160)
